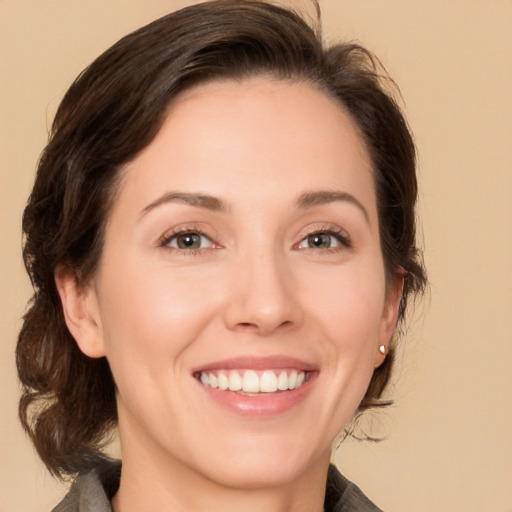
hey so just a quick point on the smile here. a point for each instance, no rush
(251, 381)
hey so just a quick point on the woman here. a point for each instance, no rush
(221, 239)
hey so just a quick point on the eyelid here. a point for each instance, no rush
(166, 239)
(337, 232)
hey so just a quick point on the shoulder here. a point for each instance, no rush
(93, 490)
(343, 496)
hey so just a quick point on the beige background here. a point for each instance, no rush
(449, 444)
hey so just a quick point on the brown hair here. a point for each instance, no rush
(110, 113)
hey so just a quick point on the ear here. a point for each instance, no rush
(390, 314)
(81, 312)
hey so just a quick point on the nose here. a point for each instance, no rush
(263, 296)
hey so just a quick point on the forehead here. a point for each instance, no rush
(296, 109)
(255, 135)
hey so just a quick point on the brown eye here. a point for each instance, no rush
(319, 241)
(188, 241)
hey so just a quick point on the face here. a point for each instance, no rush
(241, 295)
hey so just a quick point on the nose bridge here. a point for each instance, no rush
(262, 297)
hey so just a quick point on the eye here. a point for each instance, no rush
(327, 239)
(187, 240)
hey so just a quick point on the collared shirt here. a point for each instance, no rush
(93, 491)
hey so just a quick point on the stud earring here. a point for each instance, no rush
(382, 349)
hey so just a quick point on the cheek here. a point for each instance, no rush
(150, 323)
(350, 312)
(152, 317)
(350, 304)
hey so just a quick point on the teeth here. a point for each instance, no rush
(235, 381)
(223, 381)
(249, 381)
(282, 381)
(292, 380)
(268, 382)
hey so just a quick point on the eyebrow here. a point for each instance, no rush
(306, 200)
(193, 199)
(310, 199)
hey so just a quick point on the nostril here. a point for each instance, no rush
(247, 325)
(261, 327)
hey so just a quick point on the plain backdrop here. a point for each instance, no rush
(448, 440)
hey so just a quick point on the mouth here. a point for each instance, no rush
(257, 386)
(254, 382)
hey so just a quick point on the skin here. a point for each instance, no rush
(257, 287)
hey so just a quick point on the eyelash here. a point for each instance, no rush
(186, 230)
(338, 234)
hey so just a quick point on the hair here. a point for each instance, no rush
(110, 113)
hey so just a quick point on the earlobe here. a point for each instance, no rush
(389, 317)
(81, 312)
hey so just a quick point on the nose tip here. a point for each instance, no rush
(262, 300)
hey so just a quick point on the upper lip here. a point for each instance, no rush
(257, 363)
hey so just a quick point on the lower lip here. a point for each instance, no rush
(264, 404)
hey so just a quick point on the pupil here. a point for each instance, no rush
(189, 241)
(320, 240)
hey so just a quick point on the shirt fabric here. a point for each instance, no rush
(92, 492)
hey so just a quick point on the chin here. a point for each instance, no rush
(257, 476)
(257, 466)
